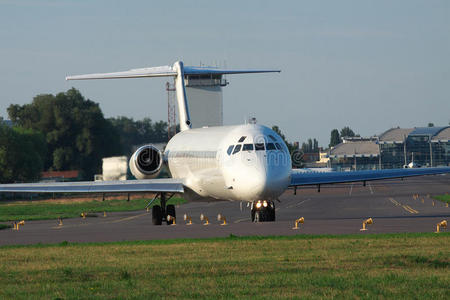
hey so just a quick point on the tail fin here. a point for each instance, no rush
(179, 72)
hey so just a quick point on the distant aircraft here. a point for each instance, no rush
(239, 163)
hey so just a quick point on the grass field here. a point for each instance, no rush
(40, 210)
(371, 266)
(444, 198)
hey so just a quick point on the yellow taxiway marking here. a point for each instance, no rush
(242, 220)
(296, 204)
(410, 209)
(107, 222)
(128, 218)
(405, 207)
(394, 201)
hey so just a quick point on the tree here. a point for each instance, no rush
(347, 132)
(312, 146)
(335, 138)
(132, 133)
(21, 154)
(76, 132)
(296, 154)
(430, 124)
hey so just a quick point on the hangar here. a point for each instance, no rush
(395, 148)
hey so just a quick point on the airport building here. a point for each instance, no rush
(395, 148)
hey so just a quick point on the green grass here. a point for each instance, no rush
(351, 266)
(44, 210)
(444, 198)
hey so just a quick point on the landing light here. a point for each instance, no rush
(265, 203)
(258, 204)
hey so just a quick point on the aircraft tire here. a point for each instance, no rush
(170, 210)
(272, 212)
(157, 215)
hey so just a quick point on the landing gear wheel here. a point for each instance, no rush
(157, 215)
(170, 211)
(272, 211)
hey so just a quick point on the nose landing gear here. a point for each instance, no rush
(263, 211)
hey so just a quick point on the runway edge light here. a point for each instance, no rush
(298, 221)
(222, 218)
(442, 224)
(204, 218)
(172, 218)
(188, 219)
(369, 221)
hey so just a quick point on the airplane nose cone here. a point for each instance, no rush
(257, 184)
(262, 183)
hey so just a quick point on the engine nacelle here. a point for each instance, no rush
(146, 162)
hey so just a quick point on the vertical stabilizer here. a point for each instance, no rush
(183, 110)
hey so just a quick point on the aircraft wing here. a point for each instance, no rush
(299, 178)
(169, 185)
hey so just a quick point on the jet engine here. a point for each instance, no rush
(146, 162)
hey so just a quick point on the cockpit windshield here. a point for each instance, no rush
(270, 146)
(247, 147)
(259, 146)
(237, 149)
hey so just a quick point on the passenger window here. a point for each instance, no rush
(278, 146)
(241, 139)
(230, 149)
(259, 146)
(273, 139)
(247, 147)
(237, 149)
(270, 146)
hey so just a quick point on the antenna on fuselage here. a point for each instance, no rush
(180, 72)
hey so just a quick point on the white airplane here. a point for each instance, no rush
(238, 163)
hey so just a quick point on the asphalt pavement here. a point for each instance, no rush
(336, 209)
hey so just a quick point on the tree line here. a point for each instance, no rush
(67, 132)
(337, 137)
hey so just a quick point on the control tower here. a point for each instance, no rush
(205, 99)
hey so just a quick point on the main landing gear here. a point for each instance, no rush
(160, 212)
(263, 211)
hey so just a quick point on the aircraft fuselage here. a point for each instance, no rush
(243, 163)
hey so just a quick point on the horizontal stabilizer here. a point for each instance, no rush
(164, 71)
(134, 73)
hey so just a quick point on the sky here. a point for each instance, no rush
(370, 65)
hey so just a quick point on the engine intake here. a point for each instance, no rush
(146, 162)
